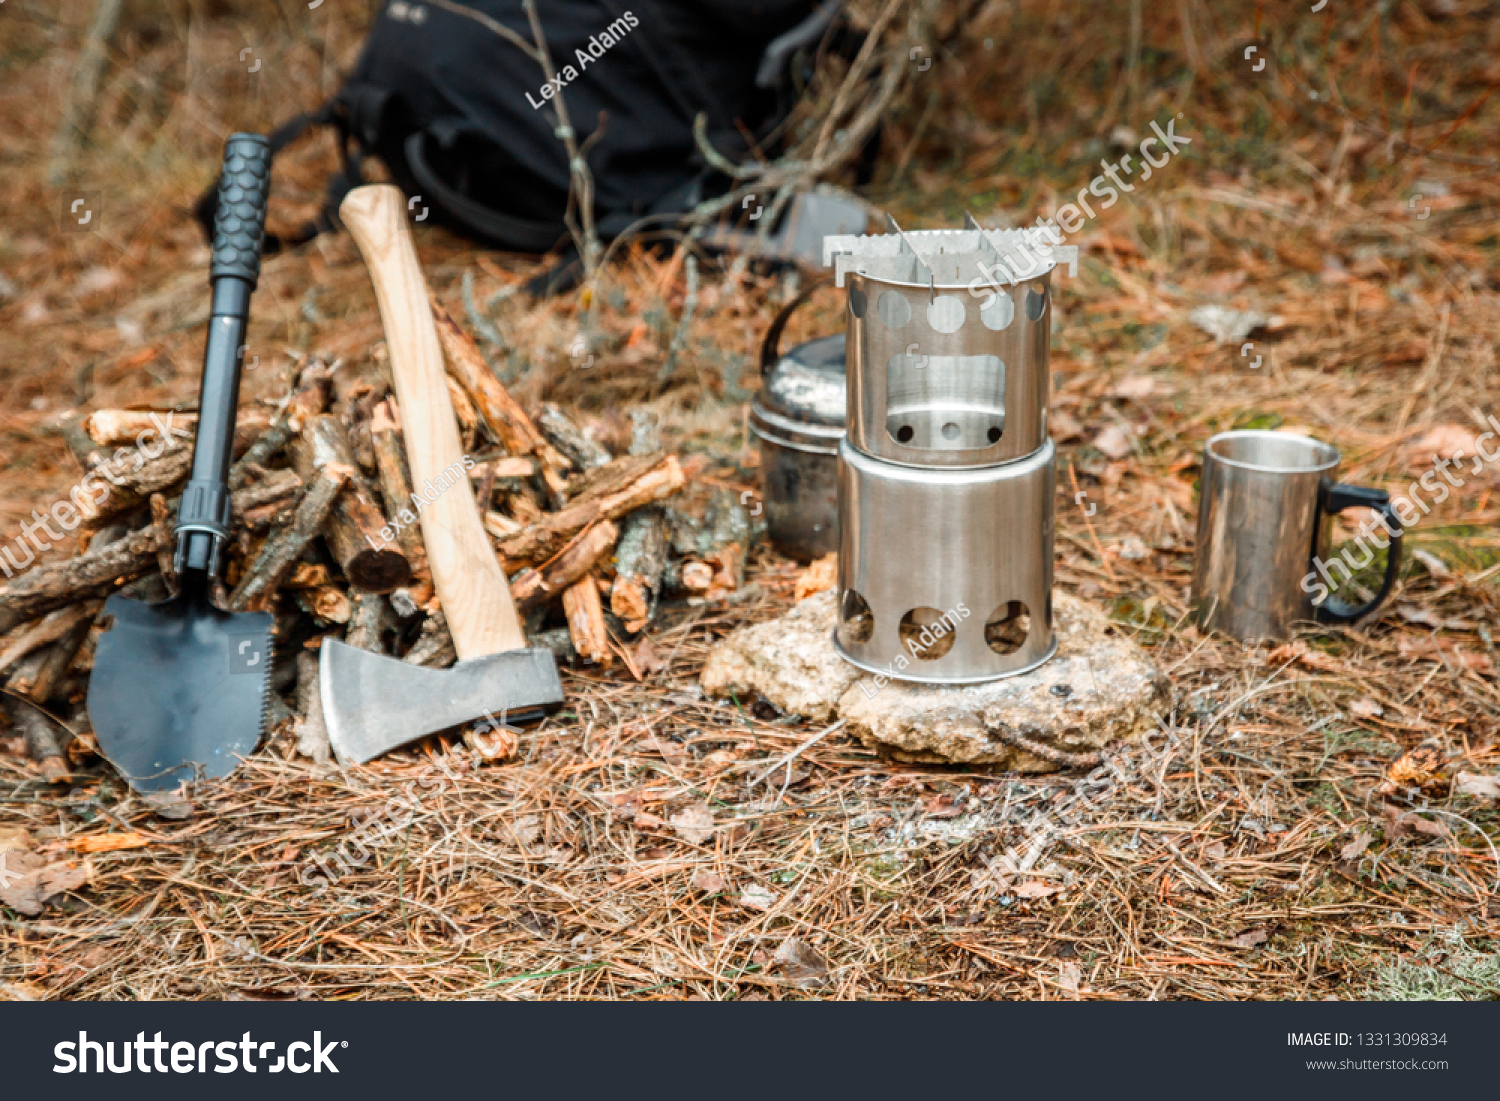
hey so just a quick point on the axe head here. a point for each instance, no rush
(373, 704)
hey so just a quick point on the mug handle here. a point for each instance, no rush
(1336, 498)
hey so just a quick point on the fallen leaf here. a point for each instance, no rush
(1366, 708)
(801, 964)
(1064, 426)
(694, 825)
(821, 575)
(944, 806)
(672, 752)
(1355, 848)
(169, 804)
(1225, 325)
(526, 830)
(27, 882)
(109, 842)
(1137, 386)
(1069, 976)
(1432, 649)
(1420, 767)
(14, 838)
(1251, 937)
(21, 992)
(710, 883)
(1036, 888)
(1214, 851)
(1443, 442)
(1481, 787)
(1114, 442)
(756, 897)
(1435, 565)
(647, 660)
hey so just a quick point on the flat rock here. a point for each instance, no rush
(1099, 688)
(788, 661)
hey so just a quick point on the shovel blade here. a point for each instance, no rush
(178, 689)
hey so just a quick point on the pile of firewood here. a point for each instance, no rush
(326, 535)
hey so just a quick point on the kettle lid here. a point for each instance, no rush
(808, 383)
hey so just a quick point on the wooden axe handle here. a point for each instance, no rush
(470, 584)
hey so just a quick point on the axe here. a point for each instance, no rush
(372, 703)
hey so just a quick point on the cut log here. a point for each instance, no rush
(639, 564)
(395, 484)
(506, 419)
(465, 413)
(113, 427)
(126, 480)
(161, 517)
(54, 585)
(533, 588)
(370, 560)
(312, 730)
(44, 632)
(310, 397)
(329, 603)
(434, 645)
(281, 551)
(369, 620)
(60, 657)
(586, 626)
(570, 440)
(639, 482)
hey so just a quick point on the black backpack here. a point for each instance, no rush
(462, 117)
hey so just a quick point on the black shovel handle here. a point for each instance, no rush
(239, 231)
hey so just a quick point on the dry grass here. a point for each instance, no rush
(1256, 859)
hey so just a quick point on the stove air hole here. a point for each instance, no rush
(857, 301)
(856, 620)
(946, 314)
(927, 634)
(1007, 627)
(1036, 302)
(904, 434)
(950, 431)
(998, 312)
(894, 310)
(994, 433)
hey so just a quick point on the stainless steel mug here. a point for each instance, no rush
(1264, 522)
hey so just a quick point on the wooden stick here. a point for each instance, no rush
(395, 484)
(113, 427)
(109, 564)
(312, 729)
(49, 678)
(280, 553)
(79, 108)
(516, 432)
(586, 624)
(370, 560)
(639, 564)
(532, 588)
(369, 619)
(44, 632)
(628, 489)
(313, 393)
(569, 439)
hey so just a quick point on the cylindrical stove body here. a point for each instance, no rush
(946, 475)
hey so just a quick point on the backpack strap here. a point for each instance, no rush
(521, 234)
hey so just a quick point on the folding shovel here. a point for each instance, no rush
(178, 688)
